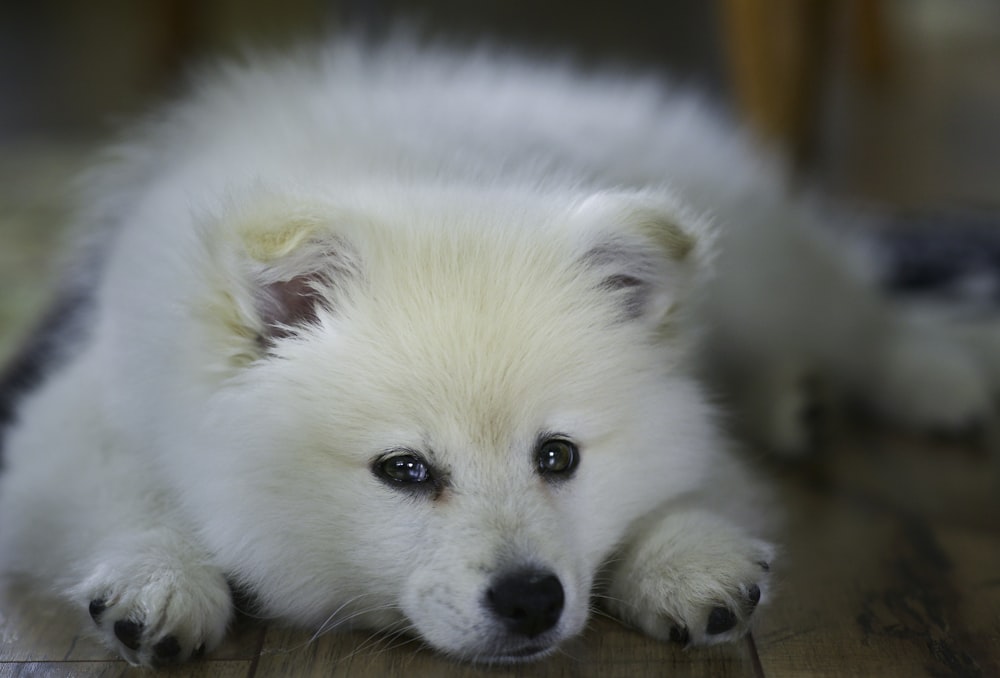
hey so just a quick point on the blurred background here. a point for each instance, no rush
(894, 103)
(889, 105)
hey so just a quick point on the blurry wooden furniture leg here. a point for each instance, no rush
(777, 50)
(872, 53)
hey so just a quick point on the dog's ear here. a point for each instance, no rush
(297, 272)
(645, 250)
(279, 269)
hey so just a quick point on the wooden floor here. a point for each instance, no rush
(891, 556)
(890, 567)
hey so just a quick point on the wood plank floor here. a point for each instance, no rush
(890, 567)
(891, 556)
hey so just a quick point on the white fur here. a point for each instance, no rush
(500, 251)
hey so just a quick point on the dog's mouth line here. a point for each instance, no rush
(524, 654)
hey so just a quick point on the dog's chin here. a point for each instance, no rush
(529, 653)
(511, 654)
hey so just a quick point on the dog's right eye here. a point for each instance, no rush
(403, 469)
(557, 458)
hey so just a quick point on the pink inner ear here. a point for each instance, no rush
(291, 303)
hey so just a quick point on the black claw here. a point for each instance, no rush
(129, 633)
(720, 620)
(97, 608)
(167, 649)
(753, 595)
(679, 634)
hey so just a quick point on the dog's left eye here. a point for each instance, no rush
(403, 469)
(557, 457)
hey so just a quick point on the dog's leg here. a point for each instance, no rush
(89, 512)
(689, 576)
(777, 401)
(932, 377)
(153, 598)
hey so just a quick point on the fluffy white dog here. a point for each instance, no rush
(400, 339)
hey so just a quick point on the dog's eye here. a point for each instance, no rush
(403, 469)
(557, 457)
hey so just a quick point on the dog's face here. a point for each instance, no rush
(454, 413)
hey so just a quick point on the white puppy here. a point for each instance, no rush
(408, 340)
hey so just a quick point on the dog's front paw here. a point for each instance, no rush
(698, 580)
(156, 609)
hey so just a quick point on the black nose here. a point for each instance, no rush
(528, 602)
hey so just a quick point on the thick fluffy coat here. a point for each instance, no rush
(406, 340)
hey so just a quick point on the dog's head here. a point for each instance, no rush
(442, 412)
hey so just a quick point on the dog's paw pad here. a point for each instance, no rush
(726, 619)
(168, 649)
(720, 620)
(704, 593)
(129, 633)
(158, 616)
(96, 609)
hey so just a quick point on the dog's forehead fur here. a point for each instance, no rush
(487, 324)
